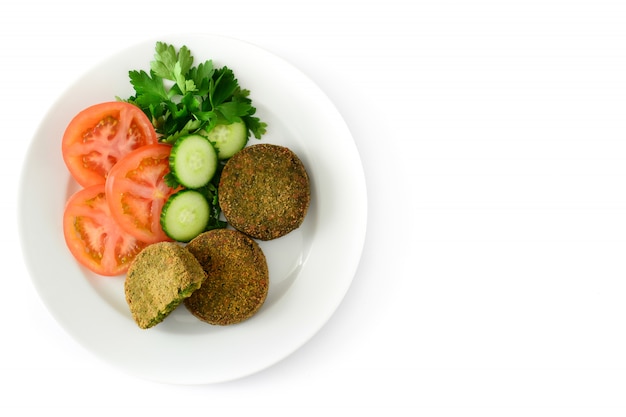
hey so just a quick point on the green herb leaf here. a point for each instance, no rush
(224, 86)
(201, 76)
(255, 126)
(231, 110)
(166, 59)
(170, 180)
(150, 89)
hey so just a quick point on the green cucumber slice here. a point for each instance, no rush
(193, 161)
(228, 139)
(185, 215)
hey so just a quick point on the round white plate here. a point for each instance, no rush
(310, 269)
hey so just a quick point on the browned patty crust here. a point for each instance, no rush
(158, 280)
(264, 191)
(237, 277)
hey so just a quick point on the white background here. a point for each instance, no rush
(493, 140)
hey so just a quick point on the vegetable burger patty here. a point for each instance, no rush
(160, 277)
(237, 277)
(264, 191)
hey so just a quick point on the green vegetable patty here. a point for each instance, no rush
(237, 277)
(264, 191)
(159, 279)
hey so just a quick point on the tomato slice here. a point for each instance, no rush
(136, 191)
(92, 235)
(100, 135)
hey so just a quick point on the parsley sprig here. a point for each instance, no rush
(180, 98)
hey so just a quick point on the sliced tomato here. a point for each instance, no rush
(136, 191)
(100, 135)
(93, 236)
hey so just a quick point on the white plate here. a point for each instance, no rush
(310, 269)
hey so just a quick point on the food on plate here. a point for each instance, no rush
(158, 280)
(188, 104)
(152, 167)
(264, 191)
(136, 191)
(95, 240)
(100, 135)
(181, 98)
(193, 161)
(237, 277)
(228, 138)
(185, 215)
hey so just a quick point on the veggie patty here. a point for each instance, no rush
(237, 277)
(264, 191)
(160, 277)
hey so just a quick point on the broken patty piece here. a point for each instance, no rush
(159, 279)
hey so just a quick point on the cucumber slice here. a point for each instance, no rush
(228, 139)
(193, 161)
(185, 215)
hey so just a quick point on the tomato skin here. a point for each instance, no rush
(136, 192)
(100, 135)
(93, 237)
